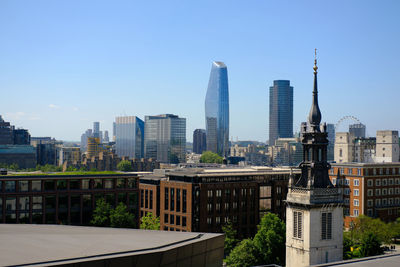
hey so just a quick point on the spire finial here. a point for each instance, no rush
(315, 61)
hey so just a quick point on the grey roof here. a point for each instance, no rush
(29, 244)
(387, 260)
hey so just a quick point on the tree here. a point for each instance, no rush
(243, 255)
(210, 157)
(101, 214)
(267, 247)
(125, 166)
(270, 240)
(150, 222)
(370, 245)
(120, 217)
(230, 238)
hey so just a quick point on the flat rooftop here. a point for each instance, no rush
(386, 260)
(29, 244)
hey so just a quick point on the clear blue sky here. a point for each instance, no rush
(65, 64)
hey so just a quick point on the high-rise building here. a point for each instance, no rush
(314, 212)
(96, 129)
(88, 133)
(217, 110)
(199, 141)
(330, 129)
(357, 130)
(129, 137)
(165, 138)
(106, 138)
(280, 111)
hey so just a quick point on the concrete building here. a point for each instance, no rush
(69, 155)
(383, 148)
(387, 146)
(280, 111)
(371, 189)
(314, 213)
(62, 245)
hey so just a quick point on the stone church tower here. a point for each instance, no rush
(314, 213)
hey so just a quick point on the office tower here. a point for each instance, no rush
(330, 129)
(217, 110)
(199, 141)
(165, 138)
(357, 130)
(96, 129)
(280, 111)
(6, 132)
(129, 133)
(314, 233)
(106, 138)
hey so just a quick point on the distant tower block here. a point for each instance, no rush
(314, 213)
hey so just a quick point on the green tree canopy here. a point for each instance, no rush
(125, 166)
(120, 217)
(150, 222)
(267, 247)
(230, 238)
(243, 255)
(270, 240)
(210, 157)
(101, 214)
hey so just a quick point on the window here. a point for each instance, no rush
(378, 182)
(209, 208)
(165, 218)
(340, 152)
(356, 182)
(347, 182)
(146, 199)
(36, 186)
(218, 207)
(349, 171)
(166, 198)
(384, 182)
(356, 202)
(377, 202)
(390, 191)
(370, 212)
(384, 202)
(370, 203)
(341, 170)
(151, 199)
(298, 224)
(184, 200)
(355, 212)
(218, 192)
(217, 220)
(178, 220)
(359, 171)
(171, 219)
(178, 200)
(381, 169)
(183, 221)
(377, 192)
(334, 181)
(370, 192)
(391, 182)
(346, 201)
(356, 192)
(369, 182)
(384, 192)
(397, 181)
(209, 193)
(347, 191)
(172, 200)
(278, 190)
(23, 186)
(326, 228)
(209, 221)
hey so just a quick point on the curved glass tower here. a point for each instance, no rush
(217, 110)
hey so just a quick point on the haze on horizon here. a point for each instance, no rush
(65, 64)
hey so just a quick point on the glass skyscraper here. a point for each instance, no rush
(217, 110)
(280, 111)
(165, 138)
(129, 137)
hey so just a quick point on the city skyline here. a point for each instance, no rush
(67, 60)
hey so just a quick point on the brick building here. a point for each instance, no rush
(64, 199)
(203, 200)
(372, 189)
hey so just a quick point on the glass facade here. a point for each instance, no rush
(199, 141)
(165, 138)
(129, 137)
(280, 111)
(217, 110)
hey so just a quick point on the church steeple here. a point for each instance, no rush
(314, 117)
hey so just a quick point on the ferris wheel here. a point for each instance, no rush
(345, 118)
